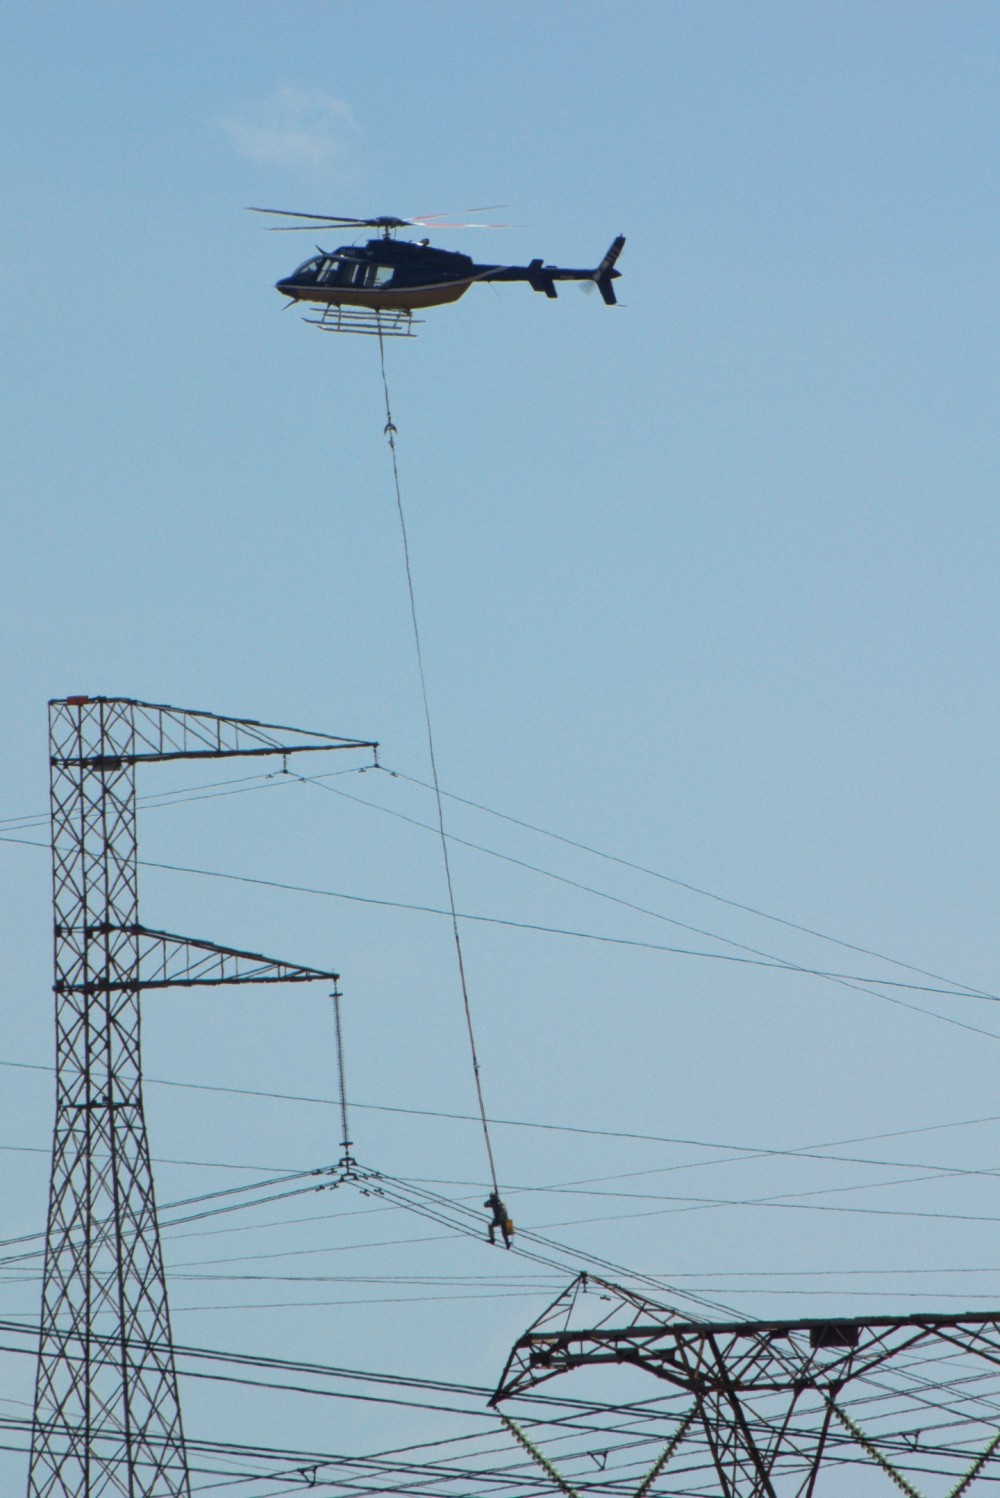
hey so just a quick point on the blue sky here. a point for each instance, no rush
(706, 583)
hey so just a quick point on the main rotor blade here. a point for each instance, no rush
(323, 218)
(439, 225)
(437, 220)
(303, 228)
(423, 218)
(385, 221)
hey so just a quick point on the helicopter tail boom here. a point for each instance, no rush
(542, 277)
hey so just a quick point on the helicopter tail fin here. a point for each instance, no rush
(605, 274)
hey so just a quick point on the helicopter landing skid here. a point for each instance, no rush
(375, 323)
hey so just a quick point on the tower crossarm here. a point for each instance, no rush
(107, 732)
(169, 961)
(747, 1355)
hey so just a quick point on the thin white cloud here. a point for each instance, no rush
(294, 128)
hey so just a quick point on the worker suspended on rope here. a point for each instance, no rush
(499, 1219)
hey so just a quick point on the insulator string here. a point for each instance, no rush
(345, 1140)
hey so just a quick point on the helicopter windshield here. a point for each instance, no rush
(309, 268)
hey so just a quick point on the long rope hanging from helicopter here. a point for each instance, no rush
(499, 1216)
(374, 289)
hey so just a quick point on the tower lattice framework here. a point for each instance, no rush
(107, 1416)
(772, 1409)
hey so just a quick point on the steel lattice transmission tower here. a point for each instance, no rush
(107, 1417)
(773, 1409)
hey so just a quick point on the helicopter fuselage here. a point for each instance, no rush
(401, 276)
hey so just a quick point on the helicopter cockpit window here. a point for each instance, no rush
(383, 273)
(309, 269)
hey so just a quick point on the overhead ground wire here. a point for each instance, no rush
(955, 990)
(390, 432)
(28, 822)
(694, 889)
(757, 958)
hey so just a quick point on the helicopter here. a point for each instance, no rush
(376, 287)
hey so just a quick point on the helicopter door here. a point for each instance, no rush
(363, 275)
(347, 273)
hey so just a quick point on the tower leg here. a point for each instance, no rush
(106, 1415)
